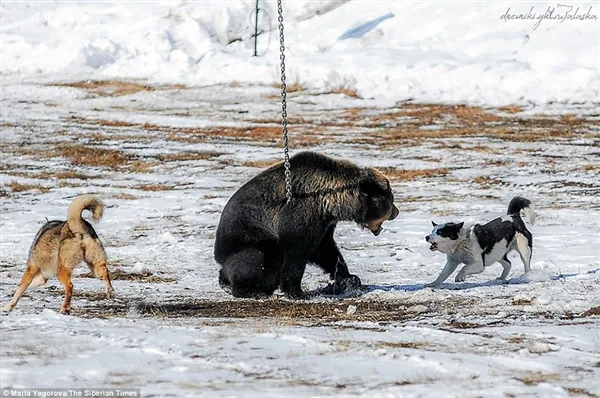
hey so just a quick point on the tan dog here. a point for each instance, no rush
(60, 246)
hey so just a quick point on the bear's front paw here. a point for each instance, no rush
(295, 293)
(343, 285)
(351, 282)
(460, 277)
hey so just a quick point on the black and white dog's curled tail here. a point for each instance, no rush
(518, 204)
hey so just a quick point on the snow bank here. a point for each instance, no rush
(440, 52)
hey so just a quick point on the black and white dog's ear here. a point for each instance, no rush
(434, 224)
(460, 225)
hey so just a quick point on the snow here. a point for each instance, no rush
(171, 330)
(483, 337)
(389, 51)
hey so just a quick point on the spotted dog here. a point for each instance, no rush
(480, 245)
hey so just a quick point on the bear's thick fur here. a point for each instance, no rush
(264, 243)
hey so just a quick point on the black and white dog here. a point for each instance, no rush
(478, 246)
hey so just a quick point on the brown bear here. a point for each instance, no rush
(264, 243)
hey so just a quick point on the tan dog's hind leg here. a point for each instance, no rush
(32, 272)
(95, 257)
(39, 280)
(101, 271)
(64, 276)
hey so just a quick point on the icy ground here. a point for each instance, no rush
(166, 158)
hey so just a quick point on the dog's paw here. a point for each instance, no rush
(110, 293)
(460, 277)
(6, 308)
(65, 310)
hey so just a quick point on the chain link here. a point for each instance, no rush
(284, 122)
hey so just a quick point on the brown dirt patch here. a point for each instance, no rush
(146, 277)
(276, 307)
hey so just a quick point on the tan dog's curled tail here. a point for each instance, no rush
(81, 203)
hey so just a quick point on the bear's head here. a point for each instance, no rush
(377, 201)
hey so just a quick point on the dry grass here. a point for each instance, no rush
(537, 378)
(464, 121)
(497, 163)
(187, 156)
(124, 196)
(487, 181)
(66, 175)
(260, 164)
(114, 123)
(346, 90)
(155, 187)
(91, 156)
(116, 88)
(464, 325)
(294, 87)
(579, 392)
(511, 109)
(81, 155)
(594, 311)
(448, 121)
(483, 149)
(46, 175)
(521, 301)
(401, 344)
(395, 174)
(18, 187)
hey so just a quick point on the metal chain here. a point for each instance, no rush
(284, 122)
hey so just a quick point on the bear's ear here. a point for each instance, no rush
(367, 188)
(373, 182)
(434, 224)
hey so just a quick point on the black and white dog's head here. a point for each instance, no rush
(444, 237)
